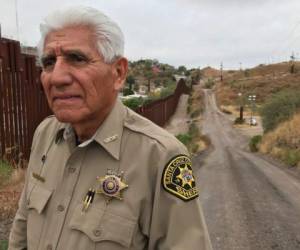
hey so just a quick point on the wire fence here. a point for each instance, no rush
(23, 104)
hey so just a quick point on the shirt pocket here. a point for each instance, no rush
(37, 200)
(103, 227)
(38, 197)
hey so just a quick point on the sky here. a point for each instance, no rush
(194, 33)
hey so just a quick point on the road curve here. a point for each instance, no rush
(248, 202)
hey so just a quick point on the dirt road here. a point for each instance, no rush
(248, 202)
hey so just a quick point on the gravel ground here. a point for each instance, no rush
(249, 202)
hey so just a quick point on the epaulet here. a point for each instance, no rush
(140, 124)
(49, 126)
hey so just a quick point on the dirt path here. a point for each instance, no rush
(249, 202)
(178, 123)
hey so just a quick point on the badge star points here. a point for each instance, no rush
(111, 186)
(186, 176)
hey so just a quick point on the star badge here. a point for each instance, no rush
(111, 186)
(186, 176)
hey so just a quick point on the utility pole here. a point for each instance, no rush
(17, 20)
(221, 68)
(292, 70)
(240, 94)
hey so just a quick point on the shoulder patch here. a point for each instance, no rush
(178, 178)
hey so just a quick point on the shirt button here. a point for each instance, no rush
(72, 170)
(60, 208)
(49, 247)
(97, 232)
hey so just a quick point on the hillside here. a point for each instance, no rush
(274, 86)
(284, 142)
(262, 81)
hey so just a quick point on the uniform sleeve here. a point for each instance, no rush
(177, 220)
(18, 234)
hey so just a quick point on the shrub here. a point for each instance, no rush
(279, 107)
(188, 109)
(134, 102)
(238, 120)
(196, 113)
(194, 130)
(127, 91)
(5, 172)
(184, 138)
(209, 83)
(253, 144)
(3, 244)
(226, 111)
(292, 157)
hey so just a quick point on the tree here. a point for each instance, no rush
(182, 69)
(130, 80)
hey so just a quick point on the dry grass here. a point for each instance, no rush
(284, 141)
(10, 194)
(262, 81)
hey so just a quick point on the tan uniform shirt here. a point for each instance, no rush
(51, 214)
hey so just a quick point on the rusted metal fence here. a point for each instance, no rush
(23, 104)
(161, 110)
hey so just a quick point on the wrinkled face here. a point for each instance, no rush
(80, 87)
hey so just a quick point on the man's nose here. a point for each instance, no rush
(60, 74)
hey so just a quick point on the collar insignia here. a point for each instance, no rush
(110, 139)
(111, 185)
(178, 178)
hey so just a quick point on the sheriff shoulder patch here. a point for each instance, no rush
(178, 178)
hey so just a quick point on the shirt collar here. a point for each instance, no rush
(108, 135)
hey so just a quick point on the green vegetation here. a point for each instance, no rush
(209, 83)
(196, 113)
(191, 138)
(291, 157)
(253, 144)
(127, 91)
(184, 138)
(238, 120)
(5, 172)
(279, 107)
(130, 80)
(134, 102)
(3, 245)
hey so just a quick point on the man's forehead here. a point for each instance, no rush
(69, 39)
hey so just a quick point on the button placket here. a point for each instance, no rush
(60, 208)
(97, 232)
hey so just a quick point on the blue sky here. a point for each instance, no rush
(195, 33)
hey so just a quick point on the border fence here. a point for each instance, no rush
(161, 110)
(23, 104)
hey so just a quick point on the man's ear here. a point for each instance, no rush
(120, 69)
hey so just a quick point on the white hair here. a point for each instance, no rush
(110, 39)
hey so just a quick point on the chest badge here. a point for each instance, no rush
(111, 185)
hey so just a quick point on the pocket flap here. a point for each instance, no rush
(103, 226)
(38, 198)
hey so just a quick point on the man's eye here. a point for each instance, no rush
(76, 58)
(48, 61)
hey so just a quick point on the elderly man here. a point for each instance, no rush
(100, 176)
